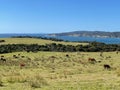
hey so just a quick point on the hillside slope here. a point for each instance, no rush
(35, 41)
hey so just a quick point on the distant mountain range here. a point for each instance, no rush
(88, 34)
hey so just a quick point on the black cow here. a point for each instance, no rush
(14, 56)
(106, 66)
(3, 59)
(67, 55)
(22, 56)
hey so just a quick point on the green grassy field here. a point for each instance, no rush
(59, 70)
(35, 41)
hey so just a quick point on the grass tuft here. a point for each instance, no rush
(37, 81)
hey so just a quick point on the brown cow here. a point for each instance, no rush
(2, 56)
(52, 57)
(22, 65)
(92, 60)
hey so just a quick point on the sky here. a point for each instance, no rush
(55, 16)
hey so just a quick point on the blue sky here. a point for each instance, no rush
(52, 16)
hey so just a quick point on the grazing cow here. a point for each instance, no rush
(67, 55)
(22, 56)
(22, 65)
(2, 56)
(3, 59)
(52, 57)
(106, 66)
(19, 54)
(99, 61)
(91, 60)
(14, 56)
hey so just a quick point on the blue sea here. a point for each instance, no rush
(69, 38)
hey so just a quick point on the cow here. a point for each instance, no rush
(22, 56)
(91, 60)
(3, 59)
(19, 54)
(14, 56)
(2, 56)
(22, 65)
(52, 57)
(106, 66)
(67, 55)
(99, 61)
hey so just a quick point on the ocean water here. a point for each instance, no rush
(69, 38)
(103, 40)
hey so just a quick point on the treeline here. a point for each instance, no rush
(40, 37)
(92, 47)
(50, 38)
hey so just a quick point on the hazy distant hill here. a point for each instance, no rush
(89, 34)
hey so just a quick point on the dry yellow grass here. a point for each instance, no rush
(35, 41)
(61, 72)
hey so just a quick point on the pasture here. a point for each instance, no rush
(35, 41)
(60, 71)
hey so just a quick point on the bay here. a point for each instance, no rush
(69, 38)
